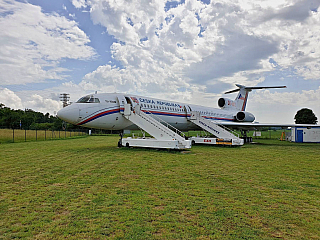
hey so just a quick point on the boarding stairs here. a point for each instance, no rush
(165, 135)
(224, 135)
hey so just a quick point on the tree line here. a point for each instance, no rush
(30, 119)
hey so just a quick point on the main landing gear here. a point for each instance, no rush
(245, 137)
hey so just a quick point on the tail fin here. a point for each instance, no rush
(242, 97)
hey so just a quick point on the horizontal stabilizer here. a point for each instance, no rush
(251, 88)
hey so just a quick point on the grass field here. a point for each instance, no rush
(17, 135)
(87, 188)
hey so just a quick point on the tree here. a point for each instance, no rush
(10, 118)
(305, 116)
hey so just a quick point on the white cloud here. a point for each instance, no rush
(202, 44)
(79, 3)
(10, 99)
(283, 105)
(33, 43)
(297, 33)
(41, 104)
(13, 100)
(296, 98)
(195, 48)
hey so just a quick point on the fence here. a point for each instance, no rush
(20, 135)
(269, 134)
(264, 134)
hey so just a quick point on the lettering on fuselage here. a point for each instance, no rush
(231, 103)
(161, 103)
(107, 101)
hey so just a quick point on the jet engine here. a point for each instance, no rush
(244, 117)
(226, 103)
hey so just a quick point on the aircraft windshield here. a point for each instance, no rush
(88, 99)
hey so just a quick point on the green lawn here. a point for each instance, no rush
(88, 188)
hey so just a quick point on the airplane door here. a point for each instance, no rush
(122, 101)
(187, 110)
(132, 101)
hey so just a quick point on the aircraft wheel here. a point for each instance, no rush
(127, 145)
(120, 144)
(193, 142)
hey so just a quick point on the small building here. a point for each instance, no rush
(305, 134)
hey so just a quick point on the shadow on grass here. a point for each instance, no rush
(266, 142)
(162, 150)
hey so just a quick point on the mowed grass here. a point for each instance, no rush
(87, 188)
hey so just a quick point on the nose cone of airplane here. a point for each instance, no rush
(69, 114)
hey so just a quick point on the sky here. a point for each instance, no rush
(186, 50)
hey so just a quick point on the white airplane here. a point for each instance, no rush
(104, 111)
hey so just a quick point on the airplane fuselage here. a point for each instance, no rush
(104, 111)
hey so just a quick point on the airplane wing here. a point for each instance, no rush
(256, 126)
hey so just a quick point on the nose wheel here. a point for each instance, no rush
(120, 140)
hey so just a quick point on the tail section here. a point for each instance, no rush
(242, 97)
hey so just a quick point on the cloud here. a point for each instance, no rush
(284, 105)
(179, 50)
(10, 99)
(112, 79)
(79, 3)
(238, 54)
(41, 104)
(34, 43)
(35, 102)
(299, 11)
(153, 47)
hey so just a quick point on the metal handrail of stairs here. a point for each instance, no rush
(226, 128)
(166, 124)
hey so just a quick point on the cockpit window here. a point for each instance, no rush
(88, 99)
(94, 100)
(83, 99)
